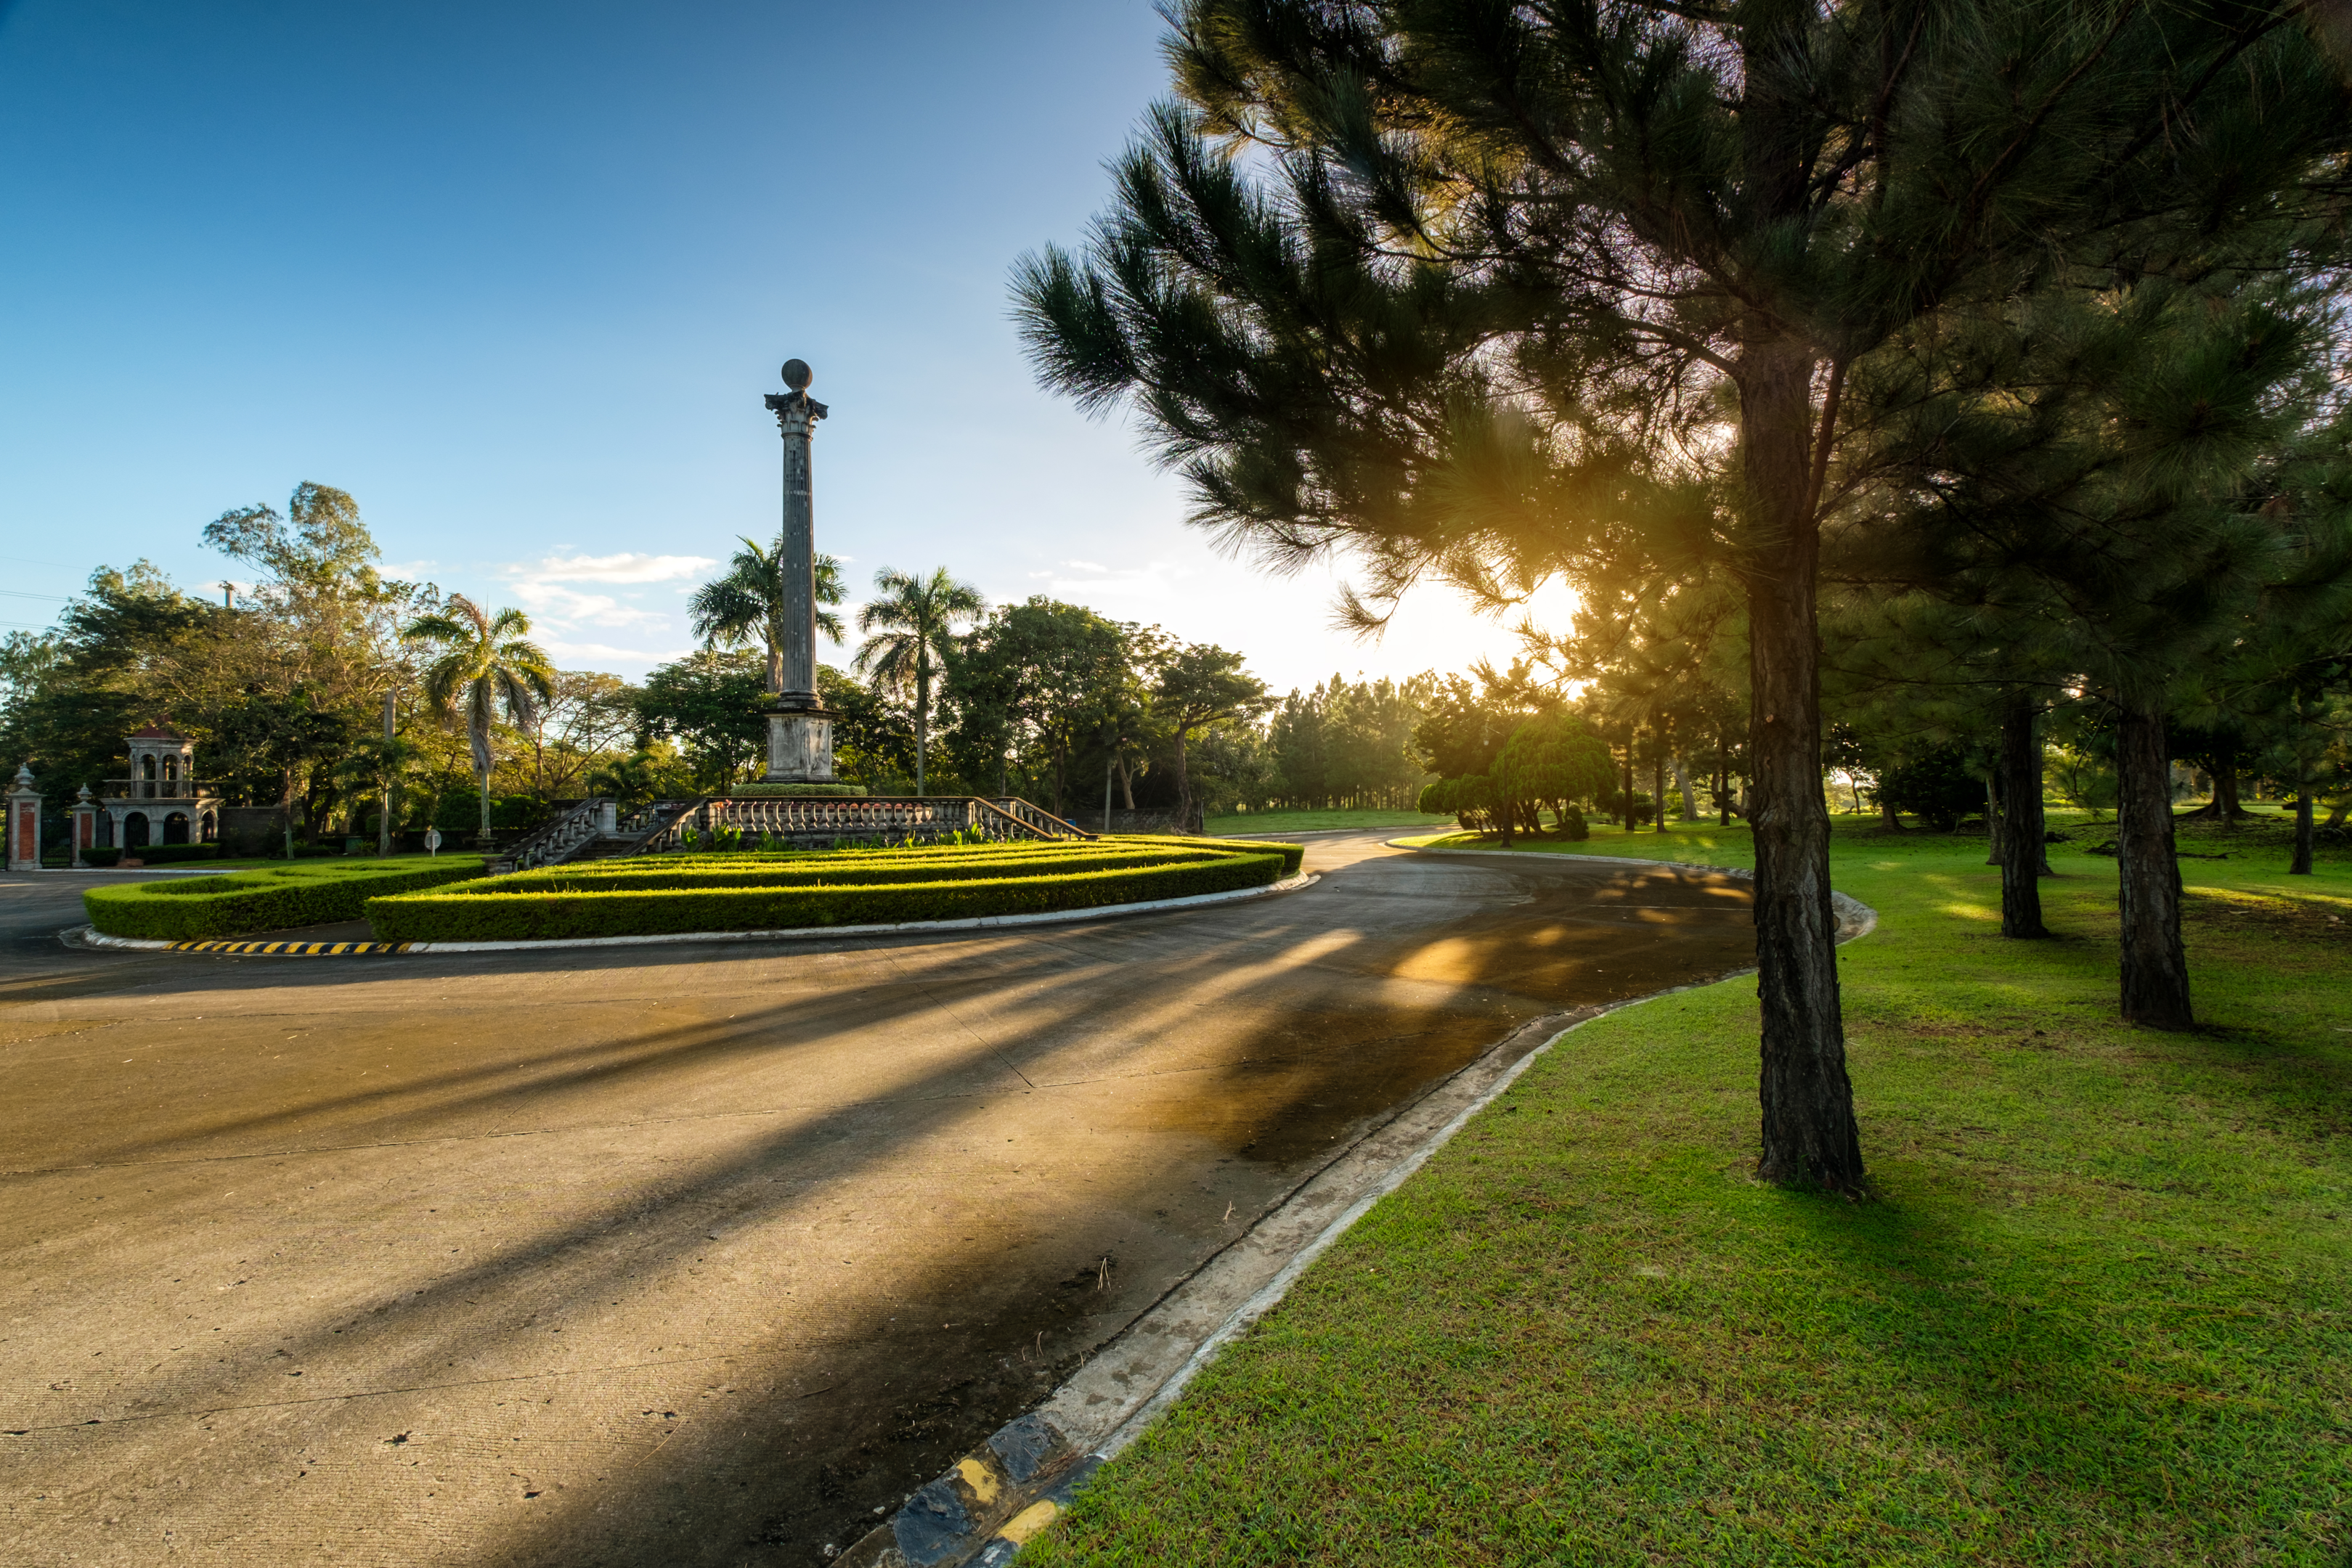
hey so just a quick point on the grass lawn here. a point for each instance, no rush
(2096, 1313)
(1246, 823)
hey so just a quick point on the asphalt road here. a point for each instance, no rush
(693, 1254)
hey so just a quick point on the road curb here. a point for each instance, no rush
(89, 936)
(981, 1513)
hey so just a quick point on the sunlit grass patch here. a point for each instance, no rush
(2093, 1314)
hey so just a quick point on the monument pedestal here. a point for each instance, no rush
(799, 747)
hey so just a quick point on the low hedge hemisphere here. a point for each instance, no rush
(455, 917)
(612, 876)
(1293, 856)
(239, 903)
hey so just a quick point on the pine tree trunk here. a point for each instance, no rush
(1809, 1131)
(2303, 804)
(2021, 820)
(1993, 816)
(2155, 966)
(1658, 788)
(1682, 783)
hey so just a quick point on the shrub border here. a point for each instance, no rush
(192, 912)
(89, 936)
(459, 916)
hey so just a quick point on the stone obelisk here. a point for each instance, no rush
(800, 732)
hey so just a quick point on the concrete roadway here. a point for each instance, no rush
(696, 1254)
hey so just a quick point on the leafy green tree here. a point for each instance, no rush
(873, 732)
(482, 662)
(649, 773)
(907, 631)
(1034, 678)
(1472, 286)
(1553, 759)
(709, 704)
(746, 604)
(1200, 685)
(375, 767)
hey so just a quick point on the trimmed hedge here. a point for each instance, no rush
(471, 916)
(613, 876)
(240, 903)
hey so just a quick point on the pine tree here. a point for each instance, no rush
(1469, 286)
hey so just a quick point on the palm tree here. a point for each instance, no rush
(747, 602)
(488, 663)
(906, 628)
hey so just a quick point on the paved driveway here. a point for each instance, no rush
(683, 1254)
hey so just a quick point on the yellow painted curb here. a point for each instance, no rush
(297, 949)
(1023, 1526)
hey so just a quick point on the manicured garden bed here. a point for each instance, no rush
(2095, 1313)
(668, 895)
(277, 898)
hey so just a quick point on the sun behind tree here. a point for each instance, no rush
(488, 663)
(906, 632)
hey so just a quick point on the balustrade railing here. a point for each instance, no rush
(151, 789)
(1043, 822)
(804, 820)
(554, 842)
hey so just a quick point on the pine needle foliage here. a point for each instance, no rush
(1490, 292)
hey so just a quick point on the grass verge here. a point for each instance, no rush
(1247, 822)
(2096, 1314)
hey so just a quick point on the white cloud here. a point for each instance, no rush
(576, 653)
(1155, 583)
(629, 565)
(1086, 566)
(563, 608)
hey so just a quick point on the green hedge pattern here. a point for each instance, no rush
(241, 903)
(469, 917)
(613, 876)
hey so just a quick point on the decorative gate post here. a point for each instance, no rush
(24, 823)
(800, 732)
(85, 824)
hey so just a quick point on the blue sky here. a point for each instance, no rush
(517, 276)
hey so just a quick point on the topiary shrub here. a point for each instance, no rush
(588, 905)
(240, 904)
(1938, 787)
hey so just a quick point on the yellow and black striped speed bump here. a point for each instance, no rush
(292, 949)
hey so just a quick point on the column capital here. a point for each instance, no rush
(795, 412)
